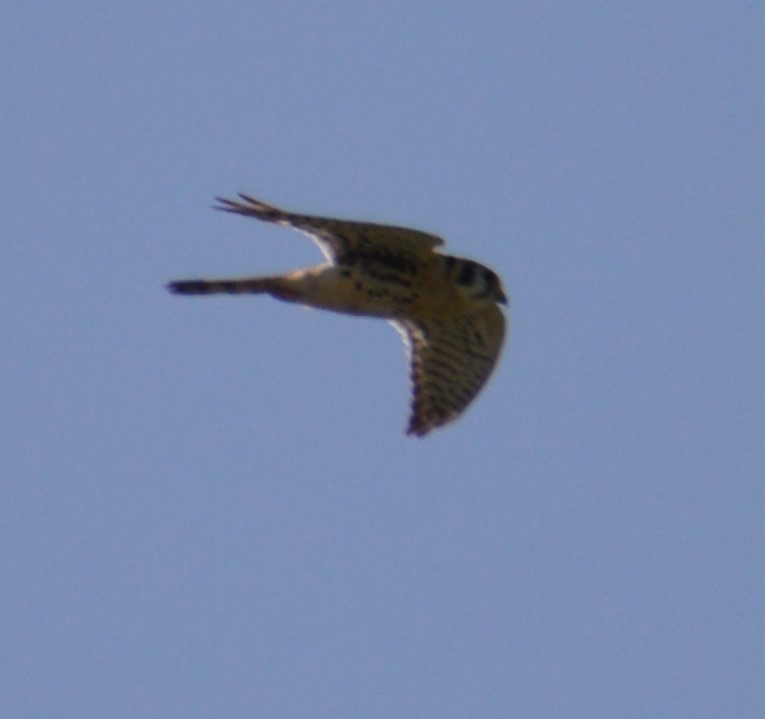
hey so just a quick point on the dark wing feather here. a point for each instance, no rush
(339, 239)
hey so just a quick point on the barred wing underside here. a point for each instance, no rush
(451, 360)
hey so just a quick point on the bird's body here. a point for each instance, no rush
(445, 306)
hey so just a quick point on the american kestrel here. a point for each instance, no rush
(444, 306)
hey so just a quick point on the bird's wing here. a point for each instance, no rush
(451, 360)
(341, 241)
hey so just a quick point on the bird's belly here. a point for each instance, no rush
(371, 293)
(373, 298)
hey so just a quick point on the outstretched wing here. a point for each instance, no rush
(341, 241)
(451, 360)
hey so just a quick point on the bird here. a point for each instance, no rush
(445, 307)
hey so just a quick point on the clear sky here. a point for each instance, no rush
(209, 508)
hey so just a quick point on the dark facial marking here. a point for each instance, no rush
(467, 274)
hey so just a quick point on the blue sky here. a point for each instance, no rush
(209, 506)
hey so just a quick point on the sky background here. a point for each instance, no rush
(208, 506)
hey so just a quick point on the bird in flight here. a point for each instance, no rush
(445, 307)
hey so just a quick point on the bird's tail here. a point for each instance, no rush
(245, 285)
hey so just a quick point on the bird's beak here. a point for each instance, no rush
(503, 298)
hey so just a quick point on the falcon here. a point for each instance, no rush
(445, 307)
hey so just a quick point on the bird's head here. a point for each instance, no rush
(480, 283)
